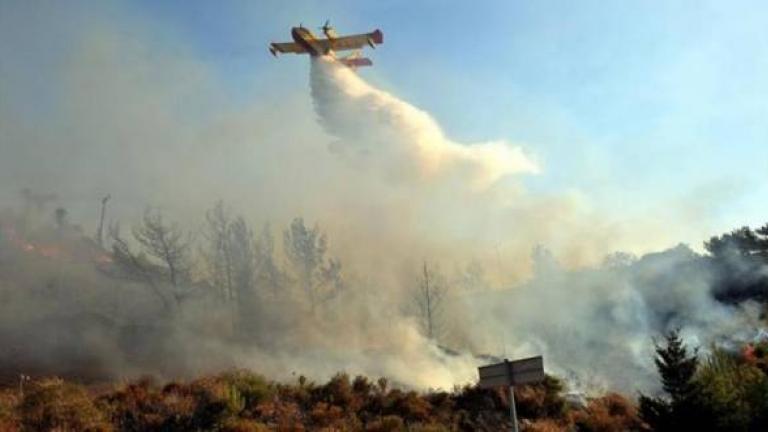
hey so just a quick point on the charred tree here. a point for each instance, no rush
(319, 277)
(428, 300)
(163, 261)
(270, 278)
(136, 267)
(168, 244)
(218, 252)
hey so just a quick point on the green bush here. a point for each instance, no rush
(735, 392)
(252, 387)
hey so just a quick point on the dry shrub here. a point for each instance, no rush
(9, 419)
(476, 399)
(324, 414)
(544, 425)
(51, 404)
(409, 405)
(303, 394)
(443, 406)
(389, 423)
(338, 391)
(429, 427)
(204, 404)
(243, 425)
(479, 409)
(216, 401)
(362, 387)
(141, 406)
(240, 401)
(543, 400)
(286, 416)
(609, 413)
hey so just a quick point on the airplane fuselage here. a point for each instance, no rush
(304, 42)
(306, 39)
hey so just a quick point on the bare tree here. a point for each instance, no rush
(472, 277)
(231, 262)
(319, 278)
(169, 246)
(428, 300)
(136, 267)
(218, 254)
(230, 254)
(165, 242)
(243, 273)
(269, 276)
(60, 215)
(242, 258)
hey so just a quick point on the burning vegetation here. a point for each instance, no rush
(172, 304)
(243, 401)
(723, 392)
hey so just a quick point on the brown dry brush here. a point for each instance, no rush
(244, 401)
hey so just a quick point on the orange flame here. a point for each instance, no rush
(51, 251)
(748, 352)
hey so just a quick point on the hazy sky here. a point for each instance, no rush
(643, 103)
(652, 109)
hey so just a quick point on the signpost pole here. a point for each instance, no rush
(512, 409)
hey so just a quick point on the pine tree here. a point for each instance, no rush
(681, 407)
(677, 368)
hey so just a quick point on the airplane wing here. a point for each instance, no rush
(352, 42)
(286, 47)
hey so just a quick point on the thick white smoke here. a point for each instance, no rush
(401, 139)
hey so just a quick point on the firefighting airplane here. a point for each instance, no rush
(304, 42)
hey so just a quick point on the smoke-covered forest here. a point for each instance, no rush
(110, 303)
(175, 318)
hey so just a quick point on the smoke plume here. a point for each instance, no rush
(401, 140)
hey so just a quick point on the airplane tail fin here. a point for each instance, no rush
(378, 37)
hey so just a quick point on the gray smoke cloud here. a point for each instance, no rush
(595, 325)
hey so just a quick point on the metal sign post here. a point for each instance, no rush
(512, 409)
(510, 373)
